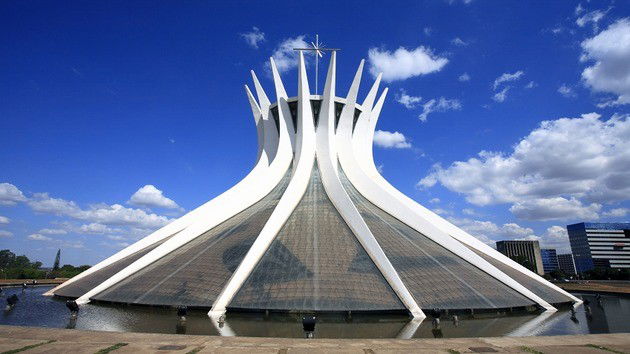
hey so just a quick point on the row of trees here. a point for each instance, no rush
(20, 267)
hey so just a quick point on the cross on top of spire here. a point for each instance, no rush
(319, 50)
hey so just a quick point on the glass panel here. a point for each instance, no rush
(89, 282)
(546, 293)
(195, 273)
(436, 277)
(316, 263)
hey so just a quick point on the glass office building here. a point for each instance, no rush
(600, 245)
(549, 259)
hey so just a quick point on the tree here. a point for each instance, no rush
(57, 260)
(7, 258)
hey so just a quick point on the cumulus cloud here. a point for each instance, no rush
(403, 64)
(609, 52)
(555, 208)
(489, 232)
(617, 212)
(4, 233)
(254, 37)
(434, 200)
(439, 105)
(501, 95)
(284, 55)
(149, 196)
(410, 102)
(114, 214)
(548, 175)
(566, 91)
(578, 9)
(96, 229)
(464, 77)
(52, 231)
(38, 237)
(531, 85)
(4, 220)
(387, 139)
(458, 42)
(10, 194)
(591, 17)
(507, 77)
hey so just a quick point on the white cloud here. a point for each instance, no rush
(10, 194)
(591, 17)
(149, 196)
(556, 237)
(458, 42)
(440, 211)
(284, 55)
(501, 95)
(52, 231)
(114, 214)
(531, 85)
(438, 105)
(408, 101)
(555, 208)
(617, 212)
(507, 77)
(566, 91)
(38, 237)
(387, 139)
(4, 233)
(548, 175)
(469, 212)
(464, 77)
(4, 220)
(427, 31)
(254, 37)
(403, 64)
(610, 51)
(578, 9)
(96, 228)
(434, 200)
(489, 232)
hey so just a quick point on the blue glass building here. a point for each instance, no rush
(600, 245)
(549, 259)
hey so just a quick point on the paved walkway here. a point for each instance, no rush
(45, 340)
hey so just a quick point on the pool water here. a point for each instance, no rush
(609, 315)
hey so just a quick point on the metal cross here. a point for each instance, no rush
(319, 50)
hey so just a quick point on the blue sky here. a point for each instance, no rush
(509, 118)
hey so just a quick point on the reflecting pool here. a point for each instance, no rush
(609, 314)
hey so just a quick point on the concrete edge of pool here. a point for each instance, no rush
(53, 340)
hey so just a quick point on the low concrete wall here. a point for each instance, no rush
(40, 340)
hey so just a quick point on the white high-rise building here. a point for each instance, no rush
(314, 227)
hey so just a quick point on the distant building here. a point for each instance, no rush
(600, 245)
(549, 259)
(530, 250)
(566, 264)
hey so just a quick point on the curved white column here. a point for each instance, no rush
(381, 198)
(292, 195)
(363, 148)
(256, 185)
(267, 146)
(327, 163)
